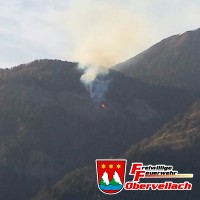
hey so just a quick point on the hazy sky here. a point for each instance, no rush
(101, 32)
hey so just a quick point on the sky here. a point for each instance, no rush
(97, 32)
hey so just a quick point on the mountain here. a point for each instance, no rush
(114, 184)
(175, 61)
(115, 180)
(177, 143)
(49, 125)
(104, 180)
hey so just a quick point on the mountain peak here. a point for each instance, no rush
(105, 178)
(117, 178)
(172, 62)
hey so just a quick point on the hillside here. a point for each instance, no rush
(177, 144)
(172, 62)
(49, 125)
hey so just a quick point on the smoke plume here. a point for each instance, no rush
(96, 81)
(104, 32)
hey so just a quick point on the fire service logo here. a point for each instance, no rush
(111, 177)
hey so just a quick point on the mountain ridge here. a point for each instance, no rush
(148, 151)
(49, 125)
(173, 61)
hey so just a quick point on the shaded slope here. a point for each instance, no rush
(49, 124)
(175, 61)
(177, 144)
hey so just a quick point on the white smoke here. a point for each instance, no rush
(104, 33)
(96, 82)
(91, 72)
